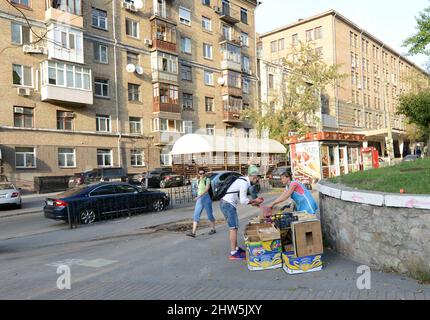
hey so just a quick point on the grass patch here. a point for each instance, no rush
(413, 177)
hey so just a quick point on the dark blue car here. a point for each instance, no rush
(90, 203)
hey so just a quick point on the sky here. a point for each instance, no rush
(391, 21)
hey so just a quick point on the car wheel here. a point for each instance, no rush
(87, 216)
(162, 184)
(19, 206)
(158, 205)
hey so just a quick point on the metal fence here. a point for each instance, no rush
(51, 184)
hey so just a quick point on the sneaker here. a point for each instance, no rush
(236, 256)
(213, 231)
(191, 234)
(241, 251)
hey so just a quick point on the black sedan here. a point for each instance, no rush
(102, 200)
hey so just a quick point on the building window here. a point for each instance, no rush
(185, 45)
(165, 93)
(20, 33)
(209, 104)
(185, 16)
(22, 75)
(23, 117)
(104, 158)
(210, 129)
(318, 33)
(66, 157)
(103, 123)
(209, 78)
(207, 24)
(137, 157)
(309, 35)
(135, 125)
(99, 18)
(188, 127)
(274, 46)
(64, 75)
(271, 81)
(245, 39)
(245, 86)
(65, 120)
(101, 88)
(187, 101)
(167, 125)
(132, 58)
(207, 51)
(226, 32)
(233, 79)
(295, 39)
(25, 157)
(246, 67)
(281, 44)
(132, 28)
(186, 73)
(244, 15)
(165, 62)
(133, 92)
(70, 6)
(25, 3)
(100, 53)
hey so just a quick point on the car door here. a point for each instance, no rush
(103, 199)
(128, 198)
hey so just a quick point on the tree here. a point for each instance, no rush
(298, 97)
(418, 42)
(416, 107)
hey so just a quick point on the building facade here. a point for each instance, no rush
(89, 84)
(365, 100)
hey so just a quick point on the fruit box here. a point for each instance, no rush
(264, 261)
(294, 265)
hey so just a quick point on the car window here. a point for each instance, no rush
(72, 191)
(123, 188)
(102, 191)
(6, 186)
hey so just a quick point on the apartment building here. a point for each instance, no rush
(365, 101)
(89, 84)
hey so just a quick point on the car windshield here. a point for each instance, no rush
(6, 186)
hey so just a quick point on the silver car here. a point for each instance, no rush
(9, 195)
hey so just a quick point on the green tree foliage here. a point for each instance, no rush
(306, 76)
(418, 42)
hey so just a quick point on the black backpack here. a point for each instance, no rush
(221, 189)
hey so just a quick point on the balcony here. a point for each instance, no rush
(158, 44)
(231, 91)
(167, 77)
(166, 107)
(162, 12)
(58, 94)
(231, 65)
(232, 117)
(234, 40)
(55, 14)
(163, 35)
(228, 14)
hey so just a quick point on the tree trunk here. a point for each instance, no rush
(428, 144)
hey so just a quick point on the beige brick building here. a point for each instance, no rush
(365, 100)
(113, 83)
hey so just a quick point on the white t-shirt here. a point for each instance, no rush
(240, 188)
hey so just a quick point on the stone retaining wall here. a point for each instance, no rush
(384, 231)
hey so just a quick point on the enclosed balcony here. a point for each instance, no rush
(232, 109)
(164, 67)
(232, 83)
(227, 13)
(232, 57)
(65, 11)
(166, 98)
(163, 35)
(66, 83)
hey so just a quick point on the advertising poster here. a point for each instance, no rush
(305, 160)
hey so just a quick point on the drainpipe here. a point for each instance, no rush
(116, 82)
(336, 99)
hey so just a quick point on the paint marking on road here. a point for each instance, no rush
(67, 262)
(96, 263)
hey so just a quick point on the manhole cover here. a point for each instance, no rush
(182, 225)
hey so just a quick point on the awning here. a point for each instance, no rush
(196, 144)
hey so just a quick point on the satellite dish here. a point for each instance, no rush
(138, 4)
(130, 68)
(139, 70)
(221, 81)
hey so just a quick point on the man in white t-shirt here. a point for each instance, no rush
(237, 193)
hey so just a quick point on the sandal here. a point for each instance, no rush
(213, 231)
(191, 234)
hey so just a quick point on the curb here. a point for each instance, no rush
(19, 214)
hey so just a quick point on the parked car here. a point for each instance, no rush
(90, 203)
(10, 195)
(275, 176)
(410, 157)
(98, 175)
(164, 178)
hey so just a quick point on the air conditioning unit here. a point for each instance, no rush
(18, 110)
(24, 91)
(217, 9)
(129, 6)
(36, 49)
(148, 42)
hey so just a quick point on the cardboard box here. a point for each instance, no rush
(304, 216)
(307, 238)
(268, 233)
(294, 265)
(264, 262)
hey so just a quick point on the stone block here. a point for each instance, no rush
(371, 198)
(407, 201)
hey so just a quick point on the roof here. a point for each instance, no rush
(350, 23)
(196, 144)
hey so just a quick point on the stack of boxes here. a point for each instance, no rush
(297, 247)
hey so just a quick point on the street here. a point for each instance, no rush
(127, 259)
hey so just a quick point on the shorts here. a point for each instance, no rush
(230, 214)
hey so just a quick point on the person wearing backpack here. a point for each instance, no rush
(203, 201)
(234, 191)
